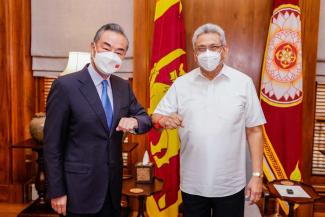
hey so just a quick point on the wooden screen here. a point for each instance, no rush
(318, 158)
(47, 86)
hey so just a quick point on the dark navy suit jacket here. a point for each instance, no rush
(82, 156)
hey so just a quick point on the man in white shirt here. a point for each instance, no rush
(217, 111)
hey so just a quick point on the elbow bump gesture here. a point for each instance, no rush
(170, 122)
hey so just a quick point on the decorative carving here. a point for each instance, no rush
(144, 173)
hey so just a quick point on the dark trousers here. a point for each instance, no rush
(108, 210)
(229, 206)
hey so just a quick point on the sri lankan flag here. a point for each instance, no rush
(281, 94)
(168, 62)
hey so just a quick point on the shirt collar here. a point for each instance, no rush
(97, 79)
(225, 71)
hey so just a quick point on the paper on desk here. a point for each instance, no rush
(145, 159)
(297, 191)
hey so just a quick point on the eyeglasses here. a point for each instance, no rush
(212, 47)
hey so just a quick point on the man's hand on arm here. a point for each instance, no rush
(256, 142)
(169, 122)
(59, 204)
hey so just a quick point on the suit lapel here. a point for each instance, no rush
(89, 91)
(116, 101)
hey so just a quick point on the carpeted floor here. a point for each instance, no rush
(11, 209)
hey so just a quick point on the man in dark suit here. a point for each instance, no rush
(87, 114)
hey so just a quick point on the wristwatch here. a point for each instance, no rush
(257, 174)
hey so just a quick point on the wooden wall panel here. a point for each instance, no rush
(4, 100)
(143, 28)
(245, 23)
(22, 90)
(17, 90)
(310, 22)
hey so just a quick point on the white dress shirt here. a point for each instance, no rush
(97, 79)
(213, 141)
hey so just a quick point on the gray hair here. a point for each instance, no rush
(110, 27)
(209, 28)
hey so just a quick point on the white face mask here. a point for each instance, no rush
(107, 62)
(209, 60)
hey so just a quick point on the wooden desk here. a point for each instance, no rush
(37, 209)
(40, 207)
(293, 200)
(148, 190)
(127, 149)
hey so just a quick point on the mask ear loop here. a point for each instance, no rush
(93, 56)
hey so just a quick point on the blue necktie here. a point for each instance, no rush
(107, 104)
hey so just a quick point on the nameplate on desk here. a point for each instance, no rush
(291, 191)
